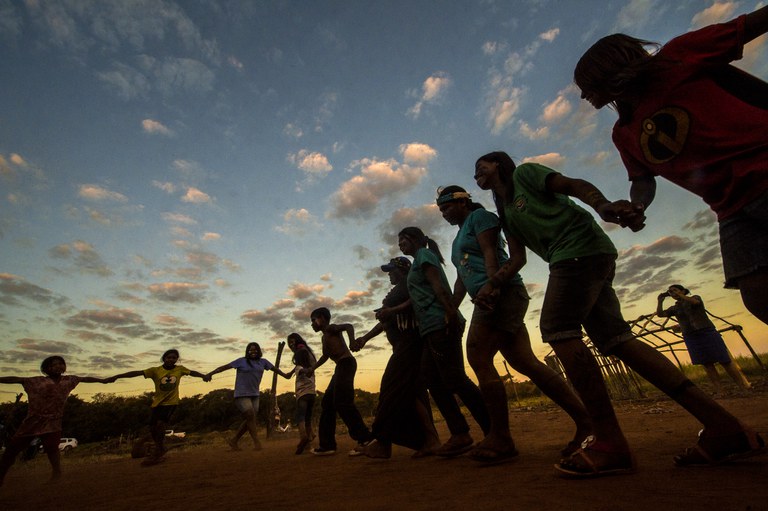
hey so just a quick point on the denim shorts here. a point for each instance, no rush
(744, 241)
(580, 293)
(247, 403)
(508, 313)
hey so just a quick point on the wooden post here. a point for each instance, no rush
(273, 395)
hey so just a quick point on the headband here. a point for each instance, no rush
(448, 197)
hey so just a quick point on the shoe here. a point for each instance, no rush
(320, 451)
(594, 459)
(359, 449)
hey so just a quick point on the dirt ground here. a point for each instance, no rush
(208, 477)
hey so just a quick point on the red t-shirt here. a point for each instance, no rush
(702, 123)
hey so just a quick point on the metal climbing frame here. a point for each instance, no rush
(663, 333)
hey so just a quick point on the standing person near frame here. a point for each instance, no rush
(704, 343)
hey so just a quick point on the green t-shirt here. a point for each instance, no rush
(551, 224)
(467, 256)
(429, 312)
(166, 384)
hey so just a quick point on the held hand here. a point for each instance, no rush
(624, 213)
(207, 377)
(357, 344)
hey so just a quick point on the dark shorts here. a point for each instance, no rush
(161, 414)
(304, 407)
(744, 241)
(706, 347)
(580, 293)
(508, 313)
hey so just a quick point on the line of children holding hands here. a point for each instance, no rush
(672, 106)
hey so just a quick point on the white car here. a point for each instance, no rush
(67, 444)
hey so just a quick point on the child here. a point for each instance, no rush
(165, 400)
(536, 212)
(47, 397)
(250, 370)
(687, 115)
(704, 343)
(340, 394)
(303, 358)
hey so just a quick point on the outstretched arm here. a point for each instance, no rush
(756, 24)
(91, 379)
(11, 379)
(217, 371)
(358, 343)
(129, 374)
(200, 375)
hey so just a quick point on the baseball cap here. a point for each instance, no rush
(398, 262)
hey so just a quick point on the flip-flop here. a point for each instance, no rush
(715, 450)
(453, 450)
(581, 465)
(488, 456)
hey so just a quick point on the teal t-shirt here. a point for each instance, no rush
(430, 313)
(467, 255)
(551, 224)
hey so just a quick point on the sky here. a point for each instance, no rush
(200, 174)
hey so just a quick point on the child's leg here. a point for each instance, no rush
(659, 371)
(517, 350)
(344, 400)
(12, 450)
(51, 447)
(711, 371)
(327, 426)
(734, 371)
(443, 397)
(482, 344)
(584, 374)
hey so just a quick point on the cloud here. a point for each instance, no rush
(417, 153)
(210, 236)
(640, 13)
(314, 164)
(84, 257)
(179, 218)
(124, 322)
(550, 35)
(533, 134)
(184, 292)
(14, 290)
(98, 193)
(361, 195)
(427, 217)
(552, 160)
(167, 187)
(557, 110)
(432, 91)
(155, 127)
(196, 196)
(715, 13)
(297, 222)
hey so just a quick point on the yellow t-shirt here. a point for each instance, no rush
(166, 384)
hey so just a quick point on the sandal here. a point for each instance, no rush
(714, 450)
(583, 463)
(488, 456)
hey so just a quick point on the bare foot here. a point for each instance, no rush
(233, 445)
